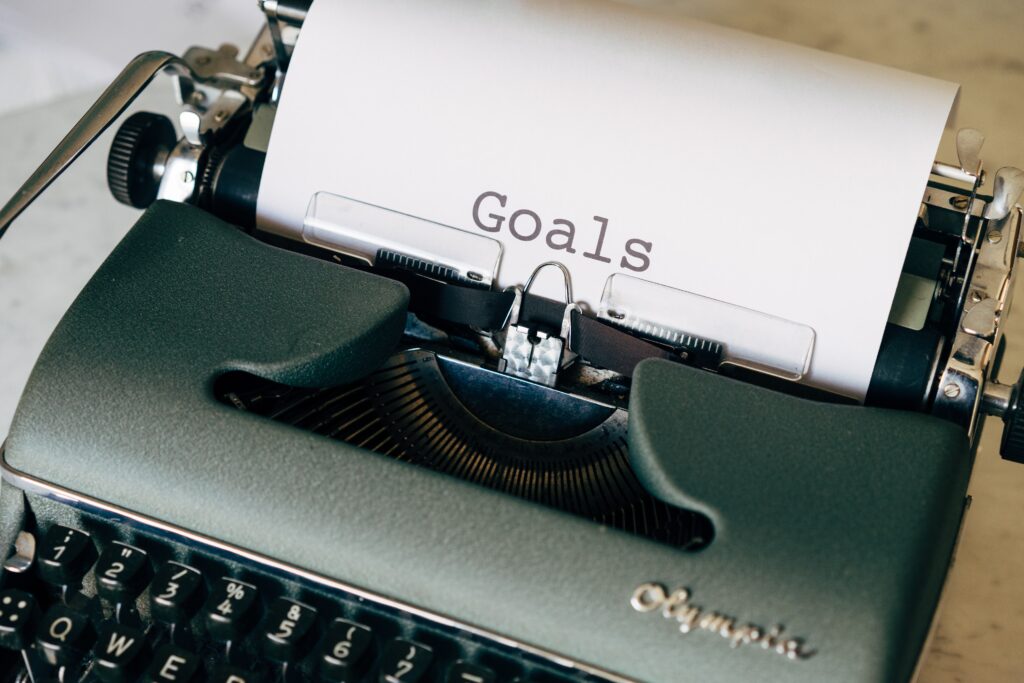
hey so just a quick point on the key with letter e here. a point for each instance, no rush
(172, 664)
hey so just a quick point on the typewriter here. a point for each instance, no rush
(243, 457)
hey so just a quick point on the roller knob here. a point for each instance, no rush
(142, 141)
(1012, 446)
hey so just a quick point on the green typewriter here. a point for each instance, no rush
(243, 457)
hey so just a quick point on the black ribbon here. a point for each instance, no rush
(599, 343)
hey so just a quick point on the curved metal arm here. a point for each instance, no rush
(111, 104)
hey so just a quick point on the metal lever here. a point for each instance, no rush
(968, 150)
(110, 104)
(968, 153)
(1007, 189)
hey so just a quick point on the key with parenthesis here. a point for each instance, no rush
(404, 661)
(344, 652)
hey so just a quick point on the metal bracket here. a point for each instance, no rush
(221, 68)
(533, 354)
(965, 388)
(283, 17)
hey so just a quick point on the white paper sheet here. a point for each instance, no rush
(770, 176)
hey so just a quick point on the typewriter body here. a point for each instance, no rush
(242, 457)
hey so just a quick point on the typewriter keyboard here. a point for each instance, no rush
(89, 597)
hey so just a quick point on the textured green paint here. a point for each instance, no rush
(834, 521)
(848, 514)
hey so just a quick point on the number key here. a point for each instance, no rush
(231, 609)
(176, 593)
(404, 662)
(343, 653)
(287, 629)
(464, 672)
(121, 572)
(65, 555)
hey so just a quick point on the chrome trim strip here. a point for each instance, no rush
(30, 484)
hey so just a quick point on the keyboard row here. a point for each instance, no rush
(169, 622)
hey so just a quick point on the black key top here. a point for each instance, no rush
(343, 653)
(65, 556)
(121, 572)
(404, 661)
(464, 672)
(287, 630)
(176, 593)
(64, 636)
(173, 664)
(233, 674)
(231, 609)
(118, 653)
(18, 616)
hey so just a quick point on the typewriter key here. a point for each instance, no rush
(231, 609)
(118, 653)
(287, 629)
(65, 556)
(172, 664)
(464, 672)
(344, 652)
(175, 593)
(121, 573)
(18, 614)
(233, 674)
(404, 662)
(64, 636)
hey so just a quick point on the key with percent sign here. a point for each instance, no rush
(231, 609)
